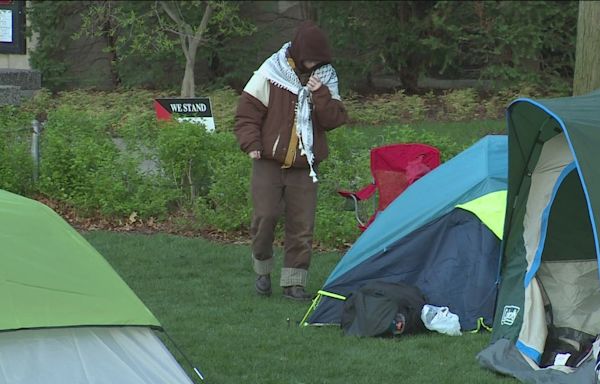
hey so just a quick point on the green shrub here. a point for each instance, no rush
(206, 173)
(183, 153)
(386, 108)
(453, 105)
(224, 103)
(82, 166)
(16, 164)
(460, 104)
(227, 205)
(75, 157)
(415, 106)
(139, 130)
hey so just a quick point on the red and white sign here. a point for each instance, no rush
(196, 110)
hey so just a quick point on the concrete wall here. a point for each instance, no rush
(13, 61)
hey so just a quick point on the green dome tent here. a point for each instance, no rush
(549, 291)
(67, 316)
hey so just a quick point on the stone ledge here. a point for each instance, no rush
(24, 78)
(10, 95)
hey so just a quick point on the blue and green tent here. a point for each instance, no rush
(440, 235)
(549, 279)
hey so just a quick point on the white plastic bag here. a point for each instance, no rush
(441, 320)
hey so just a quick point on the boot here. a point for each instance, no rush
(297, 292)
(263, 285)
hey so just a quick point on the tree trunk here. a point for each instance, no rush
(190, 40)
(307, 11)
(587, 54)
(112, 53)
(188, 85)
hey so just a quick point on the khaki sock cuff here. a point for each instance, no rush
(262, 267)
(293, 276)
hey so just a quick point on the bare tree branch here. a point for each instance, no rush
(165, 27)
(179, 10)
(204, 23)
(185, 27)
(167, 8)
(184, 32)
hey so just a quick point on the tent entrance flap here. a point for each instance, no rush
(569, 269)
(565, 256)
(560, 250)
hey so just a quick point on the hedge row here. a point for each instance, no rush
(106, 156)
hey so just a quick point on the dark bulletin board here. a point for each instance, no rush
(12, 27)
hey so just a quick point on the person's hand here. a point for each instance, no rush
(314, 83)
(255, 155)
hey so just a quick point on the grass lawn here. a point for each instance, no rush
(203, 294)
(462, 131)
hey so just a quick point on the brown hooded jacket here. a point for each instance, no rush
(265, 117)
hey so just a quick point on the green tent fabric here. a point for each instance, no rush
(67, 316)
(538, 121)
(550, 275)
(52, 277)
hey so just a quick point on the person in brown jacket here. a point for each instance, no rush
(281, 120)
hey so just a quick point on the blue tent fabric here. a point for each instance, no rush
(423, 240)
(465, 246)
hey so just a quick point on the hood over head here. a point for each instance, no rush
(310, 43)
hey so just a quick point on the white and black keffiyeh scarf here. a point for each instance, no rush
(277, 69)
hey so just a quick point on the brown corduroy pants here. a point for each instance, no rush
(291, 192)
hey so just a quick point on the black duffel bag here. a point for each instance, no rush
(383, 309)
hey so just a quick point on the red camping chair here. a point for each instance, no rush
(394, 167)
